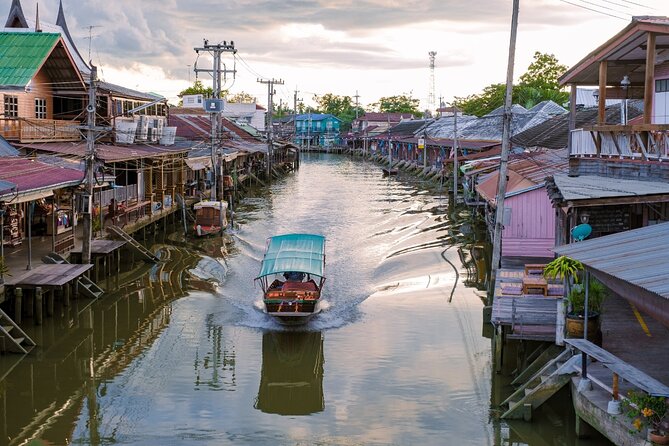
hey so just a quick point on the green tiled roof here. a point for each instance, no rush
(22, 54)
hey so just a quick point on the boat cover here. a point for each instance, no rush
(294, 252)
(211, 204)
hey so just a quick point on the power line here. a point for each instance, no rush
(593, 10)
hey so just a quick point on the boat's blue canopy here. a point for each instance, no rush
(303, 253)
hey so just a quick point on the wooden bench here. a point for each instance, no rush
(534, 269)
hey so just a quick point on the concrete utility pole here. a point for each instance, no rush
(90, 163)
(268, 120)
(506, 143)
(357, 96)
(216, 51)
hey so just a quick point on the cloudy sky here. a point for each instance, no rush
(375, 47)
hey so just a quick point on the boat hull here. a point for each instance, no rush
(291, 311)
(295, 318)
(203, 230)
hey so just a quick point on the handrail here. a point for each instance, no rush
(619, 368)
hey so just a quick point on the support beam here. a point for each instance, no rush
(649, 90)
(601, 117)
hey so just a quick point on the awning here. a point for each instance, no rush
(24, 197)
(199, 163)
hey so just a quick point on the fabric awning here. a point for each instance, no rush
(199, 163)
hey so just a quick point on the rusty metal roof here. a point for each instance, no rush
(105, 152)
(628, 255)
(30, 175)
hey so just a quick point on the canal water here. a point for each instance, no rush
(181, 352)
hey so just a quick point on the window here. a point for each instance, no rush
(11, 106)
(40, 108)
(661, 85)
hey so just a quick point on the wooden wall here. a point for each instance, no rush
(531, 232)
(40, 87)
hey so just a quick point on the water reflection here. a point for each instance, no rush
(83, 347)
(291, 380)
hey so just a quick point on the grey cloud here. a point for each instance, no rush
(164, 32)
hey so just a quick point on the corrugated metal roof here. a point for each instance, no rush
(632, 256)
(315, 117)
(554, 132)
(587, 187)
(30, 175)
(127, 92)
(106, 152)
(6, 149)
(6, 186)
(22, 54)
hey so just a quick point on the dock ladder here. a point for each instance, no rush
(543, 384)
(120, 233)
(8, 329)
(86, 286)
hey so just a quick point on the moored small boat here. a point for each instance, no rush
(389, 171)
(291, 277)
(210, 217)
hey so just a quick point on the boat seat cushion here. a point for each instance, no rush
(299, 286)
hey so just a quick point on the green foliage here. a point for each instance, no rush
(398, 104)
(645, 410)
(539, 83)
(241, 98)
(596, 296)
(563, 267)
(197, 88)
(340, 106)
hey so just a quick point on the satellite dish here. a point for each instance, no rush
(581, 232)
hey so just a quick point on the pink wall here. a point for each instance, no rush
(531, 232)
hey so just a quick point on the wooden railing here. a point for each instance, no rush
(27, 130)
(642, 142)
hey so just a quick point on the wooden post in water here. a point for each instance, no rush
(18, 297)
(67, 288)
(49, 302)
(38, 306)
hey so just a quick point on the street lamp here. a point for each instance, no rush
(625, 85)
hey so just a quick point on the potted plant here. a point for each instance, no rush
(647, 411)
(576, 311)
(565, 268)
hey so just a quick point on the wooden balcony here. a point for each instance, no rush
(27, 130)
(646, 142)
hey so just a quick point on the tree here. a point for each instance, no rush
(398, 104)
(242, 98)
(341, 107)
(539, 83)
(197, 88)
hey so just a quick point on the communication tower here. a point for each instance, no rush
(431, 96)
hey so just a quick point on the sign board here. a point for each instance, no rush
(213, 105)
(421, 143)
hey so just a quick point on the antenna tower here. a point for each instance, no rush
(431, 97)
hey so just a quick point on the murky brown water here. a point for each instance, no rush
(396, 358)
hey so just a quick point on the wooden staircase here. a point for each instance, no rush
(550, 378)
(12, 338)
(145, 253)
(86, 286)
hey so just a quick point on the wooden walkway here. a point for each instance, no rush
(48, 276)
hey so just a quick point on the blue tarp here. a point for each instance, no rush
(294, 252)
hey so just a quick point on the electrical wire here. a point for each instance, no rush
(593, 10)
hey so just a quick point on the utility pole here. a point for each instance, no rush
(216, 51)
(503, 165)
(357, 96)
(295, 100)
(268, 120)
(90, 162)
(441, 105)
